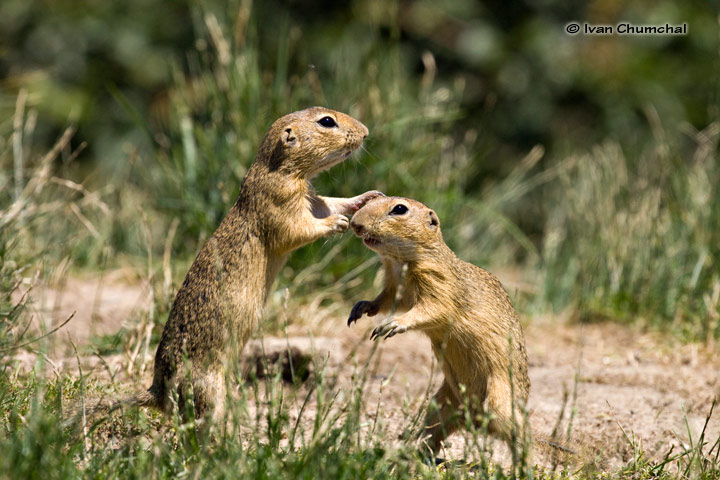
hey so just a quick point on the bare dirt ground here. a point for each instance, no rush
(621, 383)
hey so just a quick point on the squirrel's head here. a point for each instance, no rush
(398, 227)
(306, 142)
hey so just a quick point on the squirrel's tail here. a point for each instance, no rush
(142, 399)
(97, 414)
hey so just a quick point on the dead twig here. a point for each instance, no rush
(9, 349)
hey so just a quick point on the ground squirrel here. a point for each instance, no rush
(463, 309)
(277, 211)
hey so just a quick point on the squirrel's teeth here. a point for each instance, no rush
(370, 241)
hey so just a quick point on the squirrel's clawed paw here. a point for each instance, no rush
(387, 330)
(338, 223)
(360, 308)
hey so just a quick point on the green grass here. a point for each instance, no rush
(638, 238)
(262, 436)
(271, 430)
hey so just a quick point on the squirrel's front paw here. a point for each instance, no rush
(387, 330)
(360, 308)
(361, 200)
(337, 223)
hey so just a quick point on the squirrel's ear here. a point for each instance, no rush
(434, 222)
(288, 137)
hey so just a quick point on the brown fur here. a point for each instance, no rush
(474, 330)
(277, 211)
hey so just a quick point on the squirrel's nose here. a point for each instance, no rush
(357, 227)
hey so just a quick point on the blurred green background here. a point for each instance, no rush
(588, 162)
(525, 81)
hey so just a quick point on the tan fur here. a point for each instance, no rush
(474, 330)
(277, 211)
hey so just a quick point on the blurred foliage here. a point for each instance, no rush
(526, 81)
(71, 56)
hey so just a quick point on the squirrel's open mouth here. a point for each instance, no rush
(371, 241)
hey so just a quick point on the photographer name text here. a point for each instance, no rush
(625, 28)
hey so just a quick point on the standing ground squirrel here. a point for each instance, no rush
(277, 211)
(474, 329)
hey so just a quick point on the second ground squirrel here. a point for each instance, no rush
(474, 330)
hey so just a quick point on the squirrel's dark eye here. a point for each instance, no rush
(327, 122)
(399, 209)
